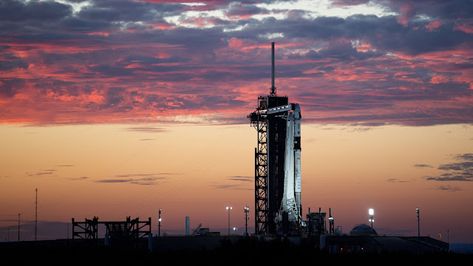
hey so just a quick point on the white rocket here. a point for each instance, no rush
(291, 200)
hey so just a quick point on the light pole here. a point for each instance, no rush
(228, 208)
(418, 221)
(331, 222)
(36, 216)
(159, 222)
(19, 218)
(371, 217)
(247, 212)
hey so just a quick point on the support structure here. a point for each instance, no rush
(259, 121)
(89, 229)
(130, 229)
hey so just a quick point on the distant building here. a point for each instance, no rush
(363, 230)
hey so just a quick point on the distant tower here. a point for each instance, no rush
(277, 162)
(331, 222)
(36, 216)
(188, 225)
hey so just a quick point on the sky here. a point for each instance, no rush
(119, 108)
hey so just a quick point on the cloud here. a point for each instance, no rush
(423, 165)
(42, 172)
(236, 182)
(231, 187)
(396, 180)
(462, 170)
(155, 61)
(240, 178)
(79, 178)
(448, 188)
(65, 165)
(147, 129)
(11, 10)
(146, 179)
(142, 174)
(146, 139)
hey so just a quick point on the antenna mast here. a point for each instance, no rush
(36, 216)
(273, 88)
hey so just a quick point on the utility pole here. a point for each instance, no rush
(36, 216)
(159, 223)
(418, 221)
(247, 212)
(19, 218)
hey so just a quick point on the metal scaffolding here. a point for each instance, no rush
(130, 229)
(260, 122)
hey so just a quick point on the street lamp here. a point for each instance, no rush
(228, 208)
(247, 212)
(159, 222)
(371, 216)
(418, 221)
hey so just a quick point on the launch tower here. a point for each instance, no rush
(278, 207)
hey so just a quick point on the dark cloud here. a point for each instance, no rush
(236, 182)
(125, 62)
(79, 178)
(146, 181)
(45, 172)
(448, 188)
(146, 139)
(241, 9)
(13, 10)
(142, 174)
(9, 87)
(113, 180)
(240, 178)
(137, 178)
(231, 187)
(423, 165)
(462, 170)
(457, 9)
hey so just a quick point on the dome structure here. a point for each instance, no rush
(363, 230)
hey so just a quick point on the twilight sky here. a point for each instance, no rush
(116, 108)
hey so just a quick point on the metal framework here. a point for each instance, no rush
(130, 229)
(260, 122)
(89, 229)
